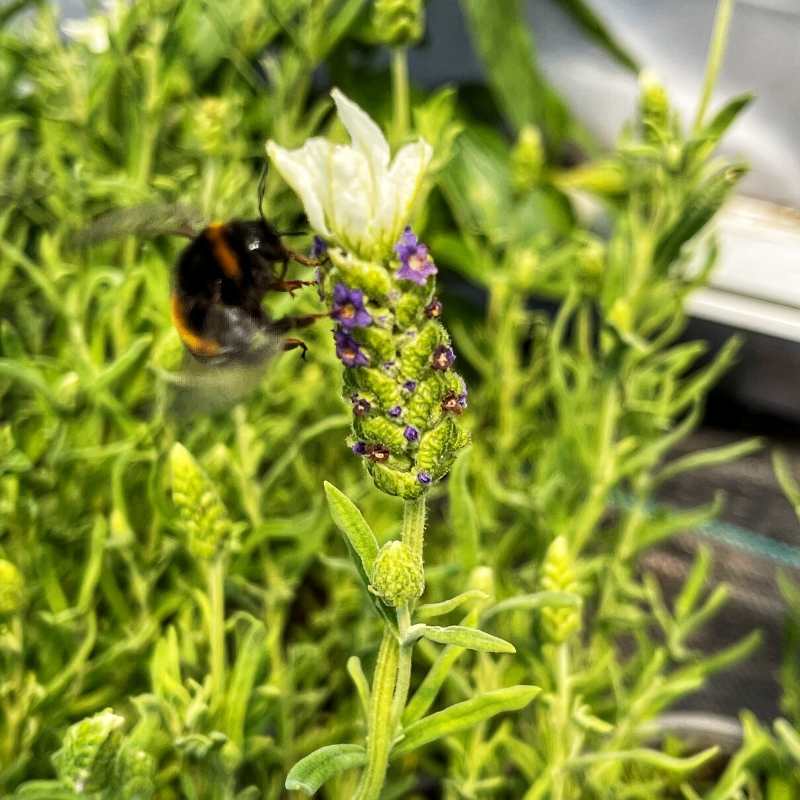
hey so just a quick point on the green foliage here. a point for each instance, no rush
(207, 597)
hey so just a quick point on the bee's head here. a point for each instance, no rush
(261, 238)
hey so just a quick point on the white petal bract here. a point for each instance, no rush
(352, 194)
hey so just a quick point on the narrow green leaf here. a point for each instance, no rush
(361, 544)
(252, 653)
(463, 516)
(44, 790)
(783, 472)
(694, 583)
(352, 524)
(530, 602)
(711, 457)
(508, 52)
(438, 673)
(461, 636)
(308, 774)
(356, 673)
(790, 738)
(652, 758)
(124, 363)
(431, 610)
(722, 659)
(700, 208)
(94, 563)
(723, 119)
(666, 522)
(595, 28)
(462, 716)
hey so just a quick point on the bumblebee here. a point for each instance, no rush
(220, 281)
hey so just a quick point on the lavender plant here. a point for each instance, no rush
(172, 600)
(406, 400)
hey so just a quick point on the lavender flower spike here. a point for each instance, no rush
(348, 308)
(416, 262)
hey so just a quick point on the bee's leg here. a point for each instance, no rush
(288, 286)
(290, 323)
(306, 261)
(291, 344)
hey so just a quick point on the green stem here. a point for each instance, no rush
(414, 525)
(216, 632)
(401, 121)
(403, 668)
(392, 678)
(716, 54)
(563, 717)
(379, 732)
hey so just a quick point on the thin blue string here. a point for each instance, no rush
(732, 535)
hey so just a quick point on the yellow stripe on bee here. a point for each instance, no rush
(197, 344)
(222, 251)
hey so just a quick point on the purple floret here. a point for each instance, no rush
(348, 350)
(416, 263)
(319, 247)
(443, 357)
(348, 308)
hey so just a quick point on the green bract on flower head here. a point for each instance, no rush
(203, 516)
(558, 575)
(399, 378)
(355, 195)
(86, 760)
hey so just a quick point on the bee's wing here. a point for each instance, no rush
(147, 221)
(211, 385)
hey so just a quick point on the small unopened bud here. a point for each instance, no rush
(482, 578)
(135, 774)
(654, 102)
(212, 121)
(12, 588)
(621, 315)
(398, 576)
(68, 390)
(398, 22)
(86, 759)
(204, 517)
(527, 158)
(558, 575)
(593, 258)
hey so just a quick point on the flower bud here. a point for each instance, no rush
(12, 588)
(212, 121)
(558, 575)
(527, 158)
(482, 578)
(135, 774)
(398, 577)
(203, 516)
(654, 104)
(86, 759)
(68, 390)
(398, 22)
(621, 315)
